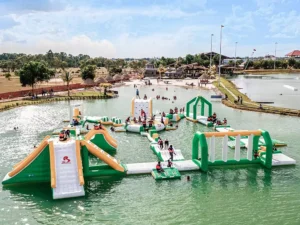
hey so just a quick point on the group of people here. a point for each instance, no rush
(240, 100)
(64, 135)
(215, 120)
(175, 111)
(165, 145)
(16, 128)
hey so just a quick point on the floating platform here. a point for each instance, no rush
(167, 174)
(280, 159)
(146, 168)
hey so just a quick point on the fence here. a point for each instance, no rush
(17, 94)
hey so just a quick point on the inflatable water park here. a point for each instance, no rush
(85, 148)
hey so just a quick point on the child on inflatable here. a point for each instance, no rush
(176, 110)
(134, 120)
(140, 119)
(225, 121)
(62, 136)
(160, 143)
(159, 167)
(171, 152)
(169, 163)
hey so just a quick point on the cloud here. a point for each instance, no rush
(76, 45)
(22, 6)
(240, 20)
(285, 24)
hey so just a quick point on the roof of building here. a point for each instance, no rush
(294, 53)
(215, 53)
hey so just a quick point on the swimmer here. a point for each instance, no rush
(188, 178)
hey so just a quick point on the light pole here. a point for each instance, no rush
(235, 55)
(220, 56)
(211, 36)
(275, 56)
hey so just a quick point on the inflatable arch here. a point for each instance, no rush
(195, 101)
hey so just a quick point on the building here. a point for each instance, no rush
(294, 54)
(150, 70)
(269, 57)
(190, 70)
(215, 53)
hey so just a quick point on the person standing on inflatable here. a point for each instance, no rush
(137, 93)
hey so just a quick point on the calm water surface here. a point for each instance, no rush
(270, 88)
(232, 195)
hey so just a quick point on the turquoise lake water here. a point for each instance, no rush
(228, 195)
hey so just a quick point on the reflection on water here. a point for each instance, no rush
(270, 88)
(230, 195)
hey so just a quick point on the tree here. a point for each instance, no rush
(67, 77)
(257, 64)
(216, 59)
(292, 62)
(189, 58)
(34, 72)
(88, 72)
(231, 63)
(239, 62)
(7, 76)
(114, 70)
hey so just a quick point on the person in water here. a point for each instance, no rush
(171, 152)
(112, 129)
(159, 167)
(128, 119)
(145, 97)
(225, 121)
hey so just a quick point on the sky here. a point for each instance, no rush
(149, 28)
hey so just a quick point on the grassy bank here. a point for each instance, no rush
(85, 95)
(270, 71)
(231, 90)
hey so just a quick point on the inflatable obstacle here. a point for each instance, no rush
(193, 116)
(167, 174)
(207, 143)
(65, 164)
(139, 105)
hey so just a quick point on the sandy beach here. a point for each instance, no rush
(173, 82)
